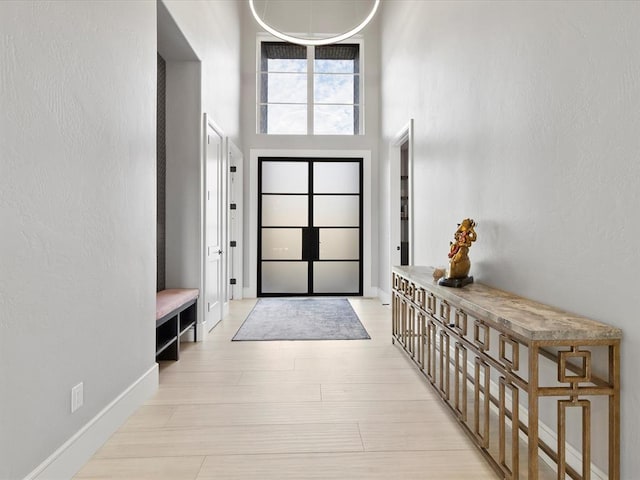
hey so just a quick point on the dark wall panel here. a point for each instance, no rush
(161, 152)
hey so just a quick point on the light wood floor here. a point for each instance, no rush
(355, 409)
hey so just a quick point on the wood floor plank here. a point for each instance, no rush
(347, 362)
(237, 439)
(169, 468)
(272, 349)
(212, 394)
(351, 349)
(385, 437)
(307, 412)
(352, 466)
(230, 364)
(383, 376)
(334, 392)
(149, 416)
(198, 378)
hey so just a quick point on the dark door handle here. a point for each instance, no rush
(316, 243)
(306, 244)
(310, 243)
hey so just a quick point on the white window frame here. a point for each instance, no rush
(310, 87)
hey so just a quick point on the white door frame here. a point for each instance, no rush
(405, 135)
(250, 290)
(235, 225)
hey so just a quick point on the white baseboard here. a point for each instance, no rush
(384, 297)
(75, 452)
(248, 292)
(200, 331)
(370, 292)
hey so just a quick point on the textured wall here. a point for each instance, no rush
(77, 210)
(526, 119)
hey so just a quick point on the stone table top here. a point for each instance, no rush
(524, 317)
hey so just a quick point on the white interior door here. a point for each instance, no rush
(213, 228)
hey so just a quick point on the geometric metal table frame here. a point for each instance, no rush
(483, 349)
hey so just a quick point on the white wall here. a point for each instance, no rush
(253, 140)
(77, 203)
(212, 28)
(209, 82)
(184, 128)
(527, 120)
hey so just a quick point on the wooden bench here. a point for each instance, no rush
(176, 313)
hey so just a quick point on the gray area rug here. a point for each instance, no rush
(302, 319)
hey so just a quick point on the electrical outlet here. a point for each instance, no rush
(77, 397)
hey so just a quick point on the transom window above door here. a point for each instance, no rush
(309, 90)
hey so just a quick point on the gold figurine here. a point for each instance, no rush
(459, 263)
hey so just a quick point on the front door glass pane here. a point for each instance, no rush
(282, 244)
(336, 211)
(336, 277)
(284, 277)
(285, 211)
(336, 177)
(285, 177)
(339, 244)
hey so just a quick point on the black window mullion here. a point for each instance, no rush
(361, 161)
(259, 252)
(311, 228)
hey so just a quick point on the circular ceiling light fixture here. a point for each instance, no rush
(313, 41)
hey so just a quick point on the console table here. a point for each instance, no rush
(529, 383)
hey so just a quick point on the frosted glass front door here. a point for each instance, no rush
(339, 244)
(281, 243)
(285, 177)
(336, 210)
(336, 277)
(285, 210)
(280, 277)
(309, 227)
(336, 177)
